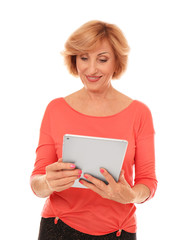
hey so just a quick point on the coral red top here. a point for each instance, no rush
(83, 209)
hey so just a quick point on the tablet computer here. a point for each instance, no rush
(91, 153)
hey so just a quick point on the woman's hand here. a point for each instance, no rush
(119, 191)
(61, 176)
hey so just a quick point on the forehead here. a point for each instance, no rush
(102, 47)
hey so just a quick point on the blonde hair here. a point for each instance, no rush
(86, 37)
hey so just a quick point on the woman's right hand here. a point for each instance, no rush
(61, 176)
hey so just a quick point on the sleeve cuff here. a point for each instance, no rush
(151, 184)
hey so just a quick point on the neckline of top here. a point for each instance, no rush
(91, 116)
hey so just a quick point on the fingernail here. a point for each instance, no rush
(80, 171)
(101, 170)
(72, 166)
(81, 181)
(86, 176)
(79, 176)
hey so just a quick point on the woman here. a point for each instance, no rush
(97, 52)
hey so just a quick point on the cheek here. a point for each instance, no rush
(109, 70)
(80, 67)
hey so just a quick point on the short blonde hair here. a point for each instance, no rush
(86, 37)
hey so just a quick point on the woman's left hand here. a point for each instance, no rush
(119, 191)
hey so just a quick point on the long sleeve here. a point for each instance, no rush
(45, 152)
(145, 152)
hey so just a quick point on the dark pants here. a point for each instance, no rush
(60, 231)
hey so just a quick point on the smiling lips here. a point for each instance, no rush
(93, 78)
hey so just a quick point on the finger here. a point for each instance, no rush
(91, 186)
(60, 160)
(55, 175)
(62, 182)
(122, 178)
(98, 183)
(65, 181)
(64, 187)
(108, 176)
(67, 173)
(60, 166)
(65, 165)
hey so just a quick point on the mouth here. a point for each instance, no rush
(93, 78)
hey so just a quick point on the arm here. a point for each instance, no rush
(49, 173)
(40, 186)
(145, 154)
(142, 193)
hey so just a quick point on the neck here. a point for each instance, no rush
(97, 96)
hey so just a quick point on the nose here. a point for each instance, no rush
(92, 67)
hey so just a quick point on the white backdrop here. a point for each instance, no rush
(32, 73)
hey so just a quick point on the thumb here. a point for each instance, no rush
(60, 160)
(122, 177)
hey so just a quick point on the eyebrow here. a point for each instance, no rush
(102, 53)
(97, 54)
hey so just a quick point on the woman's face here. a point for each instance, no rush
(97, 67)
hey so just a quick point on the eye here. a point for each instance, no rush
(103, 60)
(84, 58)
